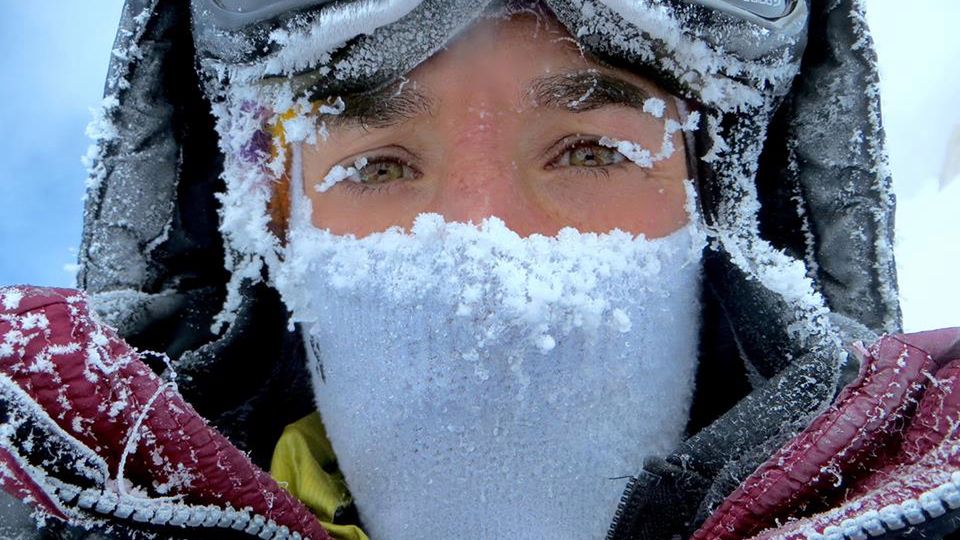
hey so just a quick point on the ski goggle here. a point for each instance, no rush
(729, 53)
(238, 31)
(232, 15)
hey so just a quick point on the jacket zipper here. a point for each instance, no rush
(623, 512)
(171, 513)
(892, 518)
(898, 516)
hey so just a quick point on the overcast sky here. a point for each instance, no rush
(54, 59)
(918, 44)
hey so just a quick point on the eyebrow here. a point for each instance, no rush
(578, 91)
(388, 106)
(582, 91)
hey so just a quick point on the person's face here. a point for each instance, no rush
(505, 122)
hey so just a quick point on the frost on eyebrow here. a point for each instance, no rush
(643, 157)
(388, 106)
(584, 91)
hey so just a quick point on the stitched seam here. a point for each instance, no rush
(725, 523)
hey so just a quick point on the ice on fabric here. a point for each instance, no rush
(29, 337)
(56, 456)
(554, 282)
(101, 131)
(693, 52)
(462, 362)
(300, 48)
(737, 231)
(10, 298)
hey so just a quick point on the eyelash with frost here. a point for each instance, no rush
(640, 155)
(655, 106)
(340, 173)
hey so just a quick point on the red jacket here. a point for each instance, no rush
(91, 436)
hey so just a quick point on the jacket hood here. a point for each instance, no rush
(790, 160)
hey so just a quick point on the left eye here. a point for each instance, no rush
(588, 154)
(382, 171)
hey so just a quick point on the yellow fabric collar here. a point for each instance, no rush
(304, 463)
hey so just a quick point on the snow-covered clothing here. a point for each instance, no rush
(94, 437)
(793, 185)
(88, 425)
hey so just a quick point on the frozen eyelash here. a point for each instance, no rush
(644, 157)
(632, 151)
(340, 173)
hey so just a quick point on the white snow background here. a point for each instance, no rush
(53, 60)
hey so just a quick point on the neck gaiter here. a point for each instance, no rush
(477, 384)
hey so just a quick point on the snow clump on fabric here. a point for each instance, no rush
(700, 55)
(555, 282)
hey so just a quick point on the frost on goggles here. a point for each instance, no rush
(236, 14)
(770, 10)
(697, 41)
(240, 31)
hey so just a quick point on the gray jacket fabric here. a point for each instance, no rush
(154, 260)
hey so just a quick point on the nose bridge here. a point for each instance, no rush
(481, 177)
(479, 183)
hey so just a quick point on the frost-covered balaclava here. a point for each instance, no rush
(472, 379)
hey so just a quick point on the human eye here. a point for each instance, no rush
(588, 153)
(382, 170)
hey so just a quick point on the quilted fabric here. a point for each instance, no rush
(89, 431)
(885, 456)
